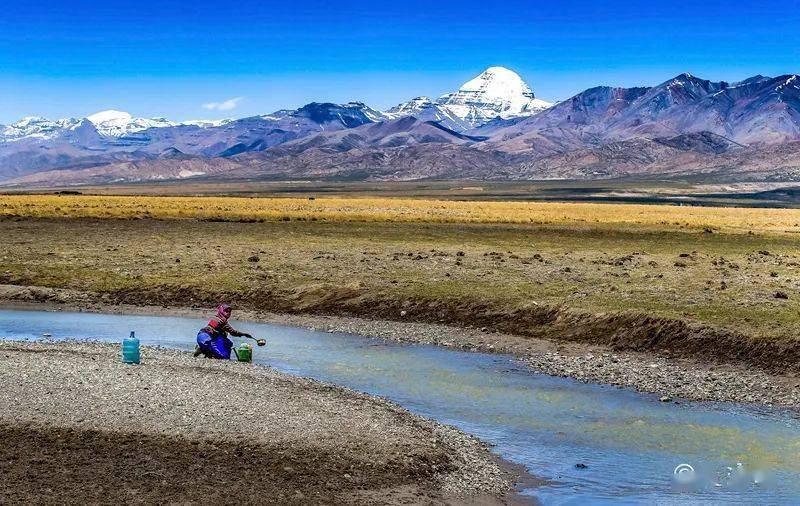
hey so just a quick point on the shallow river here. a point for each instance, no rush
(630, 443)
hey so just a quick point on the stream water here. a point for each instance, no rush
(629, 443)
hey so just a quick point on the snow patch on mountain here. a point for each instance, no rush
(184, 173)
(205, 123)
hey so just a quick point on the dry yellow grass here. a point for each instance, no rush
(732, 220)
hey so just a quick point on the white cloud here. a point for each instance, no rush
(227, 105)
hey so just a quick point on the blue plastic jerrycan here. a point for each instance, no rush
(130, 350)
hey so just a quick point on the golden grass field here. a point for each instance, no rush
(727, 219)
(458, 262)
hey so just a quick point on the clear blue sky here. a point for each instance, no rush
(72, 58)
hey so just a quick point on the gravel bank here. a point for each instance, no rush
(669, 377)
(80, 426)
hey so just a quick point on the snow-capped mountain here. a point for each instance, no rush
(111, 124)
(496, 92)
(36, 127)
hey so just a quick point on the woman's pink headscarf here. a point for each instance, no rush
(224, 311)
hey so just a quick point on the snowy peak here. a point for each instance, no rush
(27, 121)
(36, 127)
(495, 92)
(110, 124)
(496, 85)
(110, 116)
(113, 123)
(408, 108)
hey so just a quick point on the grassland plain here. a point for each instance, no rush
(397, 210)
(719, 283)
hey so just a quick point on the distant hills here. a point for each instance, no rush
(493, 127)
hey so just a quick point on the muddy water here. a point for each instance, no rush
(629, 443)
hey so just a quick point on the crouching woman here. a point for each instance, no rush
(212, 340)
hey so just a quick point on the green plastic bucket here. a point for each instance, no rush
(244, 353)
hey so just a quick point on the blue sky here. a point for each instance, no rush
(152, 58)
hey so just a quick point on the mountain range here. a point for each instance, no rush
(493, 127)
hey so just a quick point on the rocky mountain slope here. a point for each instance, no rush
(757, 111)
(406, 148)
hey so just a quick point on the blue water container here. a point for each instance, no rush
(130, 350)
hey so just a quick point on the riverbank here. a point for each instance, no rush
(79, 426)
(670, 377)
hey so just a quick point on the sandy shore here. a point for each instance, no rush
(672, 378)
(79, 426)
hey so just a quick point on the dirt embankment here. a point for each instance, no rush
(79, 426)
